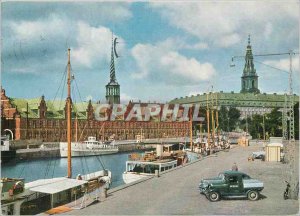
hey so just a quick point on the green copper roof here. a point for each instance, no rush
(55, 108)
(236, 99)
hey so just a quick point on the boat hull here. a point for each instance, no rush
(7, 156)
(132, 177)
(80, 150)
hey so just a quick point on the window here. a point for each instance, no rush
(233, 179)
(245, 176)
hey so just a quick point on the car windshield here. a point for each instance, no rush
(221, 175)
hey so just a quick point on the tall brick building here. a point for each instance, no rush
(45, 120)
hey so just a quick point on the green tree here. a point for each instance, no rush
(255, 126)
(223, 119)
(233, 118)
(296, 117)
(273, 123)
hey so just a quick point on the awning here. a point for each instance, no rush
(52, 186)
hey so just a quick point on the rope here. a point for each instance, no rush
(64, 75)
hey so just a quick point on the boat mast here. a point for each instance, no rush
(191, 129)
(69, 120)
(207, 122)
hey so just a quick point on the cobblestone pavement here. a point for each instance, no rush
(176, 192)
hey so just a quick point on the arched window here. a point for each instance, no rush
(252, 83)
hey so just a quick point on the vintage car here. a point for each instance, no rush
(231, 184)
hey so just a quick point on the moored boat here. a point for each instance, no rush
(90, 147)
(142, 166)
(7, 154)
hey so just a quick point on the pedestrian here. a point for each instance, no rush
(234, 167)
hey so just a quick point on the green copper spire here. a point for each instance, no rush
(249, 66)
(113, 87)
(112, 64)
(249, 78)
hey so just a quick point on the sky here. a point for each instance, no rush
(167, 49)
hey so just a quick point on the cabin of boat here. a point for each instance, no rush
(19, 198)
(90, 147)
(138, 167)
(149, 167)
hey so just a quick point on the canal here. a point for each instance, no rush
(32, 170)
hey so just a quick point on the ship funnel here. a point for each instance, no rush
(159, 150)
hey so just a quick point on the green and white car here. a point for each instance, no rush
(231, 184)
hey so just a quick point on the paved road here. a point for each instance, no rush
(176, 192)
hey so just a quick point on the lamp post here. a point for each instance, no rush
(264, 130)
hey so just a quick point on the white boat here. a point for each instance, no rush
(91, 147)
(19, 198)
(137, 170)
(142, 166)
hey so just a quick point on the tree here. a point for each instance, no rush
(223, 119)
(233, 118)
(255, 126)
(273, 123)
(296, 117)
(228, 118)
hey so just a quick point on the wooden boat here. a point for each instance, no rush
(152, 163)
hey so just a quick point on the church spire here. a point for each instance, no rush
(112, 62)
(249, 66)
(113, 87)
(249, 78)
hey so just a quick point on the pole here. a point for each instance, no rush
(291, 100)
(246, 123)
(191, 129)
(213, 126)
(69, 120)
(76, 127)
(207, 117)
(264, 127)
(27, 110)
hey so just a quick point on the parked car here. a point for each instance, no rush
(257, 155)
(231, 184)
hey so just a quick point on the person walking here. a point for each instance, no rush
(234, 167)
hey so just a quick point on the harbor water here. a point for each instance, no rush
(46, 168)
(32, 170)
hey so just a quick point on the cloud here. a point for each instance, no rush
(93, 44)
(228, 40)
(284, 64)
(176, 43)
(125, 98)
(157, 63)
(194, 93)
(53, 26)
(224, 23)
(36, 42)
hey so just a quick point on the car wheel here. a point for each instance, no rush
(253, 195)
(214, 196)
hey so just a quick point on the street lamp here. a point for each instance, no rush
(264, 130)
